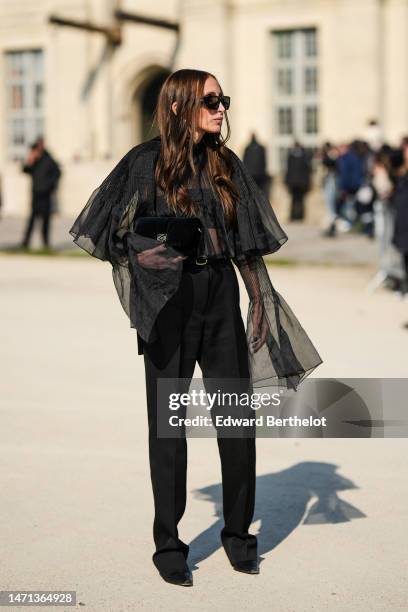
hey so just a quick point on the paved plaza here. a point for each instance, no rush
(77, 506)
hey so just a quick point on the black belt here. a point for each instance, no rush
(199, 262)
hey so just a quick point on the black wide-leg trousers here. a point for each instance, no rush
(201, 323)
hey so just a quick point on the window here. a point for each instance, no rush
(311, 120)
(285, 121)
(285, 80)
(285, 45)
(295, 92)
(310, 82)
(24, 84)
(310, 43)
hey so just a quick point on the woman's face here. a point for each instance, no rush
(208, 120)
(211, 120)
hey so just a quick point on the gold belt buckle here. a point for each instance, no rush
(201, 263)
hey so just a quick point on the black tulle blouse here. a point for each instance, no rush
(105, 229)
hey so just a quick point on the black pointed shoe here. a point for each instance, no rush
(180, 577)
(248, 567)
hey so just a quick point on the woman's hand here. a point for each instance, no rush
(260, 326)
(153, 258)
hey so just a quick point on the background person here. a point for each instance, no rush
(297, 179)
(350, 177)
(328, 157)
(400, 200)
(45, 174)
(255, 160)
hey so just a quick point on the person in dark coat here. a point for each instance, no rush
(400, 202)
(45, 174)
(255, 161)
(351, 173)
(297, 179)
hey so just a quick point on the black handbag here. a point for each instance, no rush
(181, 233)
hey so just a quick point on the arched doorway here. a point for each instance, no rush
(144, 104)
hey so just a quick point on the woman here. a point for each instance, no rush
(186, 309)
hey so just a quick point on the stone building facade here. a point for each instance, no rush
(307, 69)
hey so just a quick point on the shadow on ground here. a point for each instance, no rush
(306, 493)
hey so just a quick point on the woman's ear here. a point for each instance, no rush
(174, 108)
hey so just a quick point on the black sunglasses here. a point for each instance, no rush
(212, 101)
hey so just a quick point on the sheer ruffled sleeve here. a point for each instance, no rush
(285, 355)
(280, 351)
(105, 229)
(258, 229)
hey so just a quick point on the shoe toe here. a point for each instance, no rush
(248, 567)
(182, 578)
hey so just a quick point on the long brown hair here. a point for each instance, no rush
(176, 159)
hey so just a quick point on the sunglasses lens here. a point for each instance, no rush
(211, 102)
